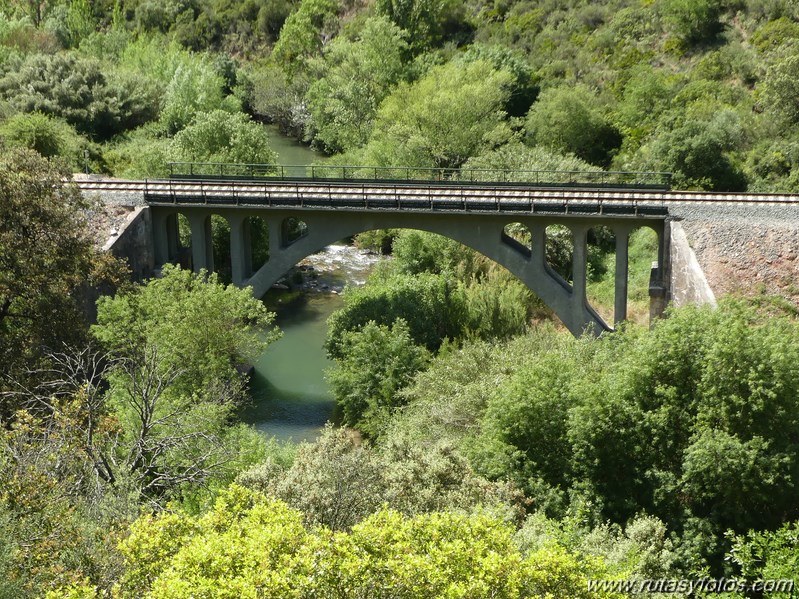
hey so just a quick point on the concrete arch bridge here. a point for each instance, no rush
(474, 214)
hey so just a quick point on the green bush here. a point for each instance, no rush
(250, 542)
(221, 136)
(376, 363)
(567, 120)
(781, 86)
(77, 90)
(454, 112)
(356, 76)
(48, 136)
(426, 302)
(693, 21)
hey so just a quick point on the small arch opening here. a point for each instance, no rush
(183, 245)
(258, 231)
(519, 237)
(601, 269)
(559, 251)
(291, 230)
(642, 258)
(220, 242)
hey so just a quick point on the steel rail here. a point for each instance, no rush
(417, 196)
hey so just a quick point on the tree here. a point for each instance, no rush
(50, 137)
(339, 480)
(524, 89)
(453, 113)
(304, 33)
(781, 85)
(515, 156)
(426, 21)
(280, 98)
(377, 362)
(198, 327)
(46, 256)
(567, 120)
(221, 136)
(249, 544)
(768, 556)
(58, 526)
(693, 21)
(498, 305)
(336, 482)
(195, 88)
(426, 302)
(357, 76)
(80, 21)
(77, 90)
(416, 252)
(647, 95)
(179, 342)
(698, 153)
(524, 431)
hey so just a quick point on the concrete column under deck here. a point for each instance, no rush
(202, 250)
(579, 269)
(240, 249)
(622, 273)
(538, 247)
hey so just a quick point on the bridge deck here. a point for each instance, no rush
(419, 197)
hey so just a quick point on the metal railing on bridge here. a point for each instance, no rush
(380, 174)
(401, 196)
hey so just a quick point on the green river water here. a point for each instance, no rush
(291, 399)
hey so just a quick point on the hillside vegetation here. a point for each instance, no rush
(482, 452)
(705, 89)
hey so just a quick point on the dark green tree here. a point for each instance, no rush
(568, 120)
(46, 258)
(377, 362)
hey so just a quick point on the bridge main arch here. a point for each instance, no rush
(485, 235)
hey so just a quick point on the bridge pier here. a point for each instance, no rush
(202, 250)
(579, 271)
(622, 273)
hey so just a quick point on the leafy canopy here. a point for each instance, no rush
(252, 546)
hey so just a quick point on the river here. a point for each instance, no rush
(291, 399)
(291, 152)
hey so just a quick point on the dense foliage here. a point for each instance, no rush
(100, 432)
(46, 259)
(705, 89)
(493, 454)
(251, 546)
(656, 422)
